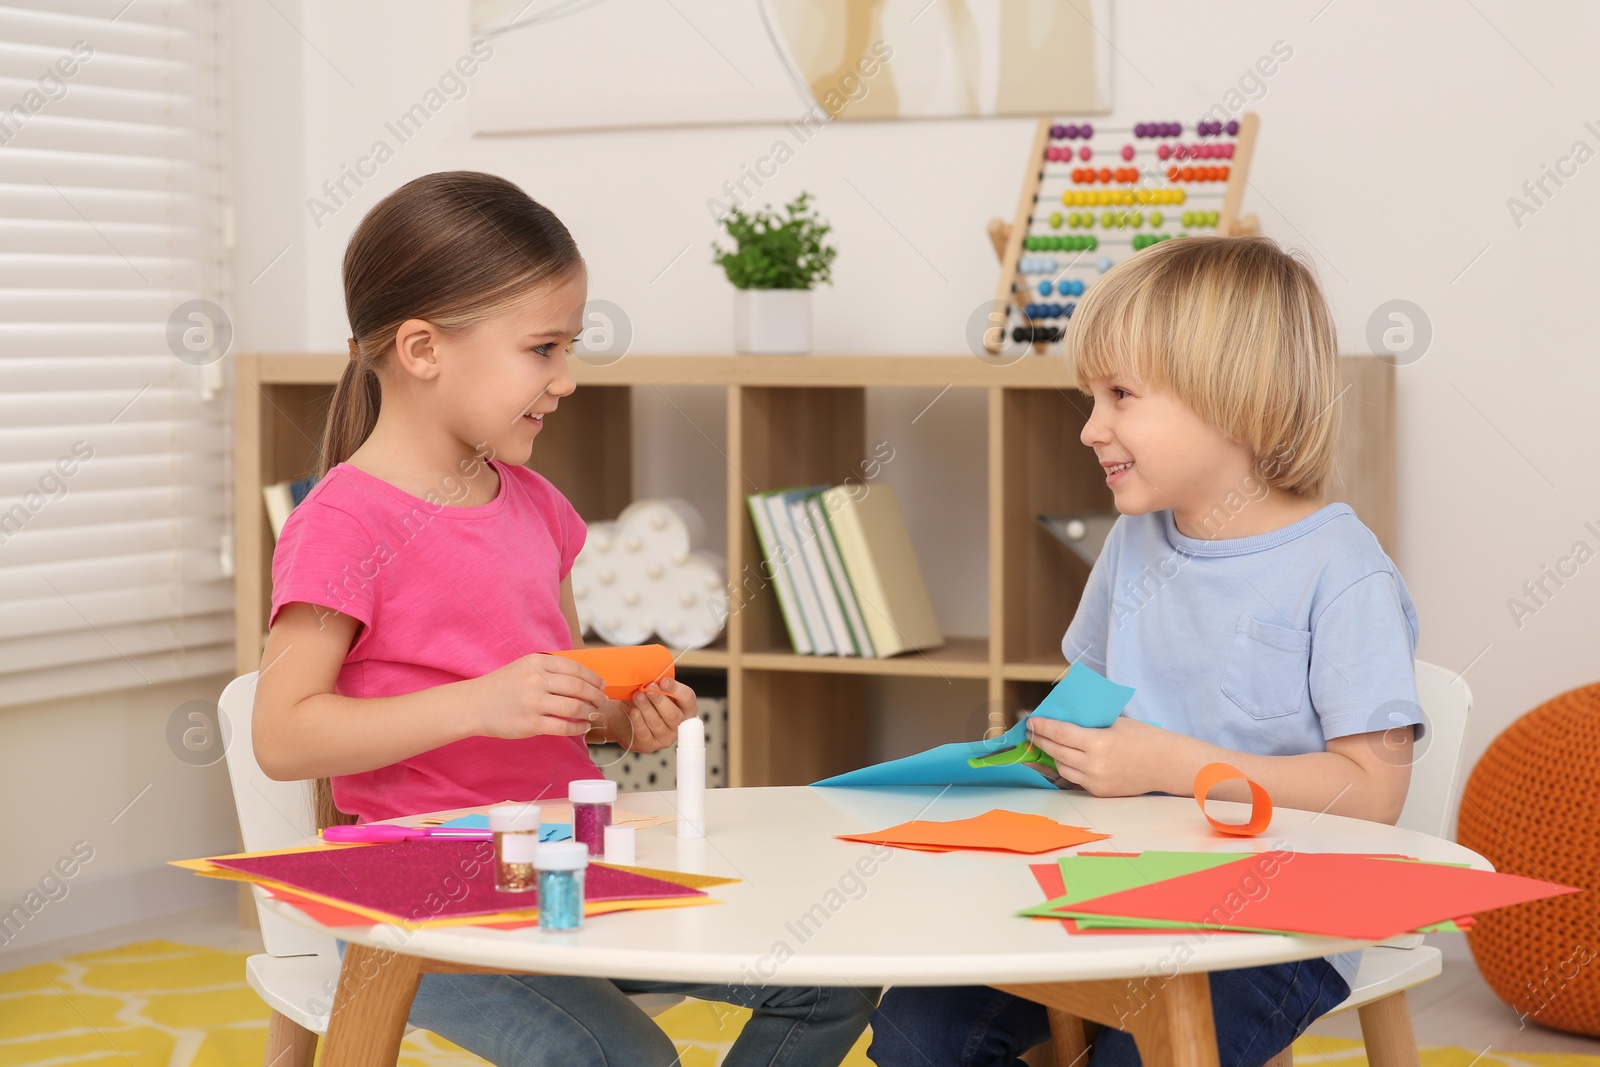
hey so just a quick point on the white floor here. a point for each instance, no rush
(1456, 1008)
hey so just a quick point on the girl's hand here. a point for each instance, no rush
(536, 694)
(649, 721)
(1125, 759)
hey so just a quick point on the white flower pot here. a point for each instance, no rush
(772, 321)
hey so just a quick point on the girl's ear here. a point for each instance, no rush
(416, 349)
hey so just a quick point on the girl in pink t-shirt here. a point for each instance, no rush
(418, 585)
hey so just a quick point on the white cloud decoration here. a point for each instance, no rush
(642, 575)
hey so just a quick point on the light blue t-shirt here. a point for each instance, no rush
(1270, 644)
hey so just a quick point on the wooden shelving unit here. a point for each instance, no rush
(800, 420)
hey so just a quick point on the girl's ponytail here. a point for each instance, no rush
(353, 412)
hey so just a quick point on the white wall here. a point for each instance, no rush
(1391, 141)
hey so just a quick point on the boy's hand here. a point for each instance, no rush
(648, 722)
(1125, 759)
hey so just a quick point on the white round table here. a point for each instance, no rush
(810, 909)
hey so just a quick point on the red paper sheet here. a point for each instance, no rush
(419, 880)
(1327, 895)
(998, 830)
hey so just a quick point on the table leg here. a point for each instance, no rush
(376, 988)
(1169, 1018)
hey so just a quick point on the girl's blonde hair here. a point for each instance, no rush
(453, 248)
(1237, 329)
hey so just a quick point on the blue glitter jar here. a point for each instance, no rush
(561, 865)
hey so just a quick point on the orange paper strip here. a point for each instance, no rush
(1260, 801)
(997, 830)
(625, 668)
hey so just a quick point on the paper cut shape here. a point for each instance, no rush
(1346, 895)
(1260, 802)
(626, 668)
(1091, 701)
(1082, 696)
(998, 830)
(548, 831)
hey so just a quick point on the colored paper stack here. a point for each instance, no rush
(437, 882)
(1320, 894)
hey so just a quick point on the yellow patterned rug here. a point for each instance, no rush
(161, 1004)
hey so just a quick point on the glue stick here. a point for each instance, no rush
(692, 778)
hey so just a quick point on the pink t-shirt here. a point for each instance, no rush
(444, 593)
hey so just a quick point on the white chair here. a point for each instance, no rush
(299, 971)
(1387, 970)
(1378, 994)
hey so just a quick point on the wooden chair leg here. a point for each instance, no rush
(1386, 1029)
(288, 1043)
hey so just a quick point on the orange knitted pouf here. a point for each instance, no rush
(1532, 807)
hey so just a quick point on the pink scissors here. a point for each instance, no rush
(371, 832)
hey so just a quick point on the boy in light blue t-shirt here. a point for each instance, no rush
(1258, 626)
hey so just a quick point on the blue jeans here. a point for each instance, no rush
(1258, 1012)
(536, 1020)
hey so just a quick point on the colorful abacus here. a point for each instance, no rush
(1111, 192)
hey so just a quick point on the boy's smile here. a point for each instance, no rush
(1160, 454)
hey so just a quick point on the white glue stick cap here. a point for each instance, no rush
(692, 733)
(620, 845)
(592, 791)
(514, 817)
(562, 856)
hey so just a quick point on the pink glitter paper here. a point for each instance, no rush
(420, 880)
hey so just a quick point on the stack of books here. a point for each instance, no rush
(841, 564)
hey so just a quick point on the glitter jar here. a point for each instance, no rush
(561, 865)
(516, 836)
(591, 811)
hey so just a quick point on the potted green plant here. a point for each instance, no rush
(775, 263)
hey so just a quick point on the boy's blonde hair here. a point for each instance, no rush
(1236, 328)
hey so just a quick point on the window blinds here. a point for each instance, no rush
(114, 466)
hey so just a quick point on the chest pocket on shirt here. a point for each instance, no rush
(1267, 669)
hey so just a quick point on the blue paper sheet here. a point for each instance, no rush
(549, 831)
(1082, 697)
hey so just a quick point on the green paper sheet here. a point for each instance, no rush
(1088, 877)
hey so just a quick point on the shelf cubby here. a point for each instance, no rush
(802, 420)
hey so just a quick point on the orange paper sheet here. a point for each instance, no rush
(993, 831)
(625, 668)
(1260, 803)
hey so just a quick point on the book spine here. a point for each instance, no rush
(863, 572)
(841, 576)
(827, 593)
(810, 605)
(777, 568)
